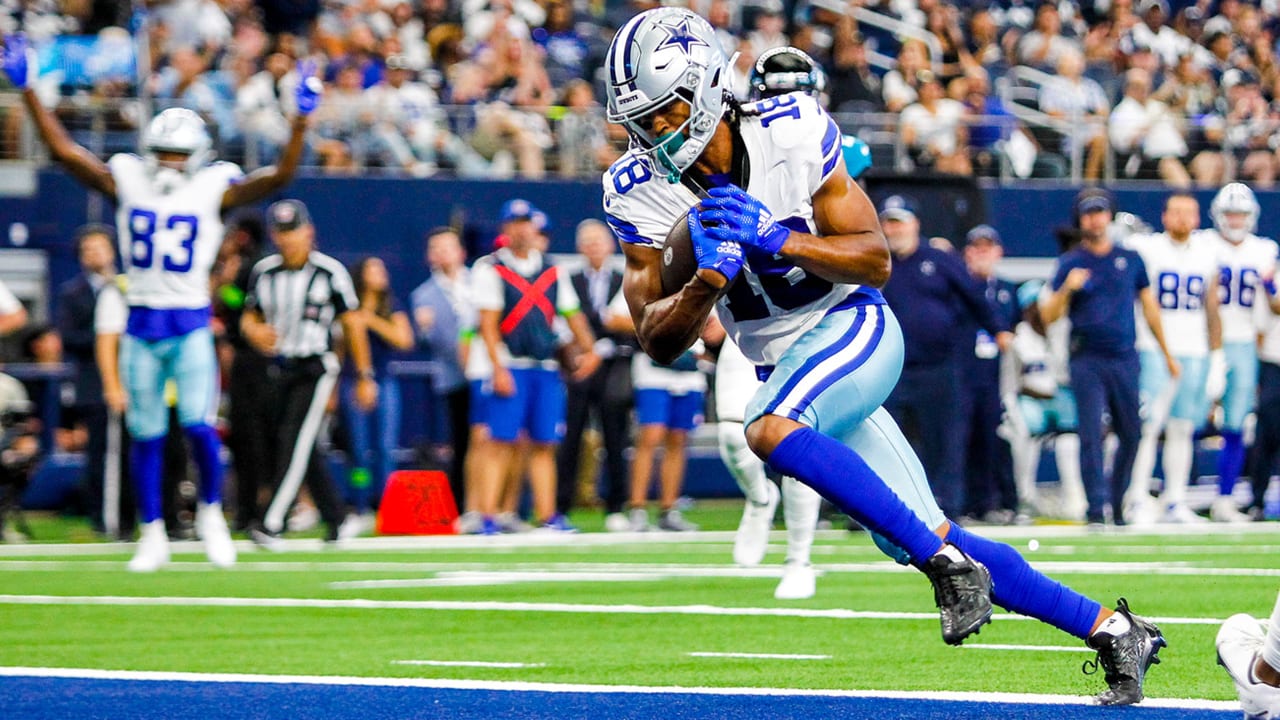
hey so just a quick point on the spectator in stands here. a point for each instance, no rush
(341, 122)
(934, 131)
(1096, 286)
(77, 299)
(769, 26)
(374, 432)
(184, 84)
(1220, 50)
(941, 297)
(990, 493)
(404, 125)
(442, 310)
(852, 86)
(724, 18)
(984, 39)
(511, 17)
(566, 49)
(943, 21)
(1045, 45)
(1246, 128)
(1147, 135)
(900, 84)
(410, 31)
(1167, 43)
(581, 135)
(195, 24)
(607, 392)
(260, 108)
(1082, 105)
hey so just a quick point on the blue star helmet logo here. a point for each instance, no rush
(682, 36)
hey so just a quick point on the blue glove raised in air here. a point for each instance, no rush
(742, 219)
(722, 256)
(310, 88)
(14, 60)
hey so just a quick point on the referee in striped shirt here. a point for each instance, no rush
(293, 300)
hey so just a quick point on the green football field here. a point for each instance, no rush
(645, 610)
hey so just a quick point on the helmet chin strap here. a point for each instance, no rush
(668, 144)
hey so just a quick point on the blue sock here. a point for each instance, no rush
(1016, 586)
(145, 460)
(843, 477)
(1230, 461)
(205, 447)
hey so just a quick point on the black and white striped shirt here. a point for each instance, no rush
(301, 304)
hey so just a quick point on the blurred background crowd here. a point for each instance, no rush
(1184, 92)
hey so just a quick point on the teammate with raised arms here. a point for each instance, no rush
(169, 204)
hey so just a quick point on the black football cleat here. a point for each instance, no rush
(962, 592)
(1125, 658)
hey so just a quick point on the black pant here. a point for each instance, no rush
(107, 453)
(926, 405)
(608, 393)
(1106, 385)
(1266, 447)
(252, 406)
(304, 387)
(458, 403)
(988, 460)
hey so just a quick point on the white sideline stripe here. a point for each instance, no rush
(495, 606)
(1037, 648)
(644, 542)
(499, 685)
(469, 663)
(757, 656)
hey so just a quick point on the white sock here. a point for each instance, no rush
(1066, 449)
(800, 506)
(1179, 439)
(1115, 626)
(950, 551)
(1271, 648)
(1026, 461)
(746, 468)
(1144, 464)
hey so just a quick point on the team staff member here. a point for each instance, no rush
(607, 392)
(294, 298)
(938, 305)
(990, 490)
(77, 298)
(1096, 285)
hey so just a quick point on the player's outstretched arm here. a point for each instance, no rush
(265, 181)
(666, 326)
(84, 165)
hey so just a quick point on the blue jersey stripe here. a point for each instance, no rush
(626, 232)
(829, 165)
(831, 140)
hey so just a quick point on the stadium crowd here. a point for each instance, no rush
(1184, 92)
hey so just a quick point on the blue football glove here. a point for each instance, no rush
(743, 219)
(722, 256)
(14, 60)
(310, 88)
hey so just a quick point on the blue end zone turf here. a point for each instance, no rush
(29, 698)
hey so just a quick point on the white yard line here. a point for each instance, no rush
(647, 542)
(1034, 648)
(470, 663)
(756, 656)
(495, 606)
(1019, 698)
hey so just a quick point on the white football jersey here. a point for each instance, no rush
(169, 240)
(1179, 273)
(792, 146)
(1037, 367)
(1243, 266)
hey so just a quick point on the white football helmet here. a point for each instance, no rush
(1234, 198)
(179, 130)
(658, 57)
